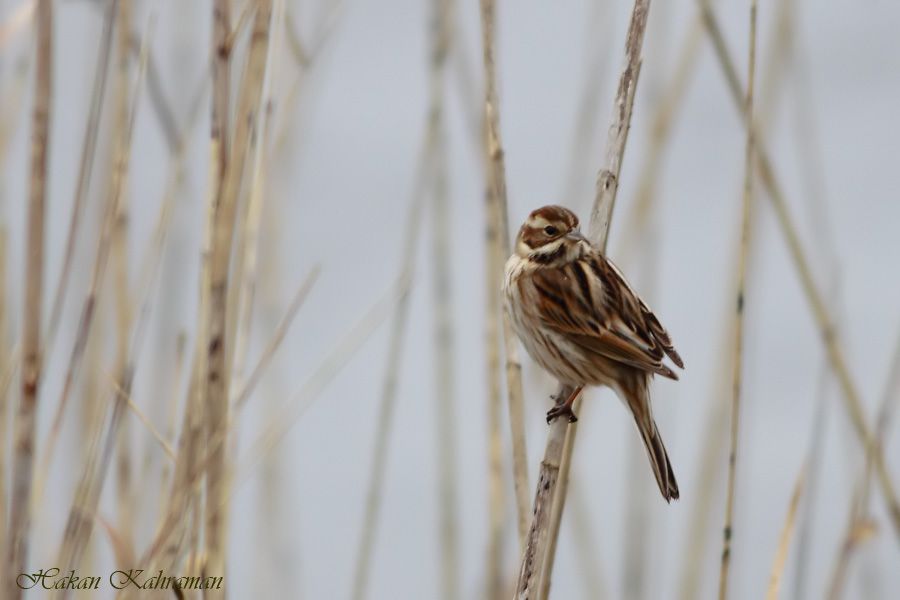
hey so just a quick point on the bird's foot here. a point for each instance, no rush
(563, 409)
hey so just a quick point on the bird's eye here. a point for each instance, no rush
(551, 230)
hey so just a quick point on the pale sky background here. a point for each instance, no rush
(339, 193)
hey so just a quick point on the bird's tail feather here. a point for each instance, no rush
(656, 450)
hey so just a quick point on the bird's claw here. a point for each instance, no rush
(561, 410)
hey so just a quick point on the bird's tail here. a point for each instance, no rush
(656, 450)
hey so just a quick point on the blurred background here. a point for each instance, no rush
(334, 173)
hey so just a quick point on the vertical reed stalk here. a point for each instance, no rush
(123, 302)
(537, 562)
(818, 307)
(217, 375)
(737, 365)
(444, 338)
(388, 399)
(88, 153)
(26, 415)
(784, 541)
(6, 367)
(82, 511)
(497, 189)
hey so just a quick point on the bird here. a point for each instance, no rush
(581, 321)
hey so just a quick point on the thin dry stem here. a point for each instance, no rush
(737, 365)
(26, 415)
(217, 375)
(280, 423)
(123, 302)
(818, 306)
(275, 342)
(661, 129)
(599, 28)
(859, 521)
(388, 399)
(608, 177)
(88, 153)
(497, 191)
(241, 292)
(537, 565)
(6, 369)
(79, 524)
(444, 338)
(784, 542)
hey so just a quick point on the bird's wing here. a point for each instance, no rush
(589, 302)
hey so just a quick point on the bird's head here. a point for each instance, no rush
(549, 235)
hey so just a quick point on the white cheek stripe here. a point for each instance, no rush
(550, 248)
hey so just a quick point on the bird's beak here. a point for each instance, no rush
(576, 236)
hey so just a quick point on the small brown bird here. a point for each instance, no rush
(581, 321)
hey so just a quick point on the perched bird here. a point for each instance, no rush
(580, 320)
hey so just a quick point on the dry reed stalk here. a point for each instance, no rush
(425, 171)
(443, 332)
(388, 399)
(184, 507)
(715, 432)
(537, 563)
(241, 397)
(241, 291)
(496, 169)
(280, 423)
(601, 214)
(184, 500)
(26, 415)
(737, 364)
(119, 249)
(784, 542)
(6, 370)
(818, 307)
(82, 512)
(125, 395)
(220, 55)
(495, 580)
(88, 154)
(172, 417)
(859, 521)
(104, 243)
(597, 60)
(93, 411)
(280, 553)
(662, 122)
(217, 375)
(813, 171)
(496, 483)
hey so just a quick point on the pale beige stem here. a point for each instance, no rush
(217, 375)
(497, 191)
(784, 541)
(88, 153)
(24, 438)
(123, 301)
(82, 512)
(443, 333)
(388, 398)
(6, 368)
(737, 364)
(537, 566)
(818, 307)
